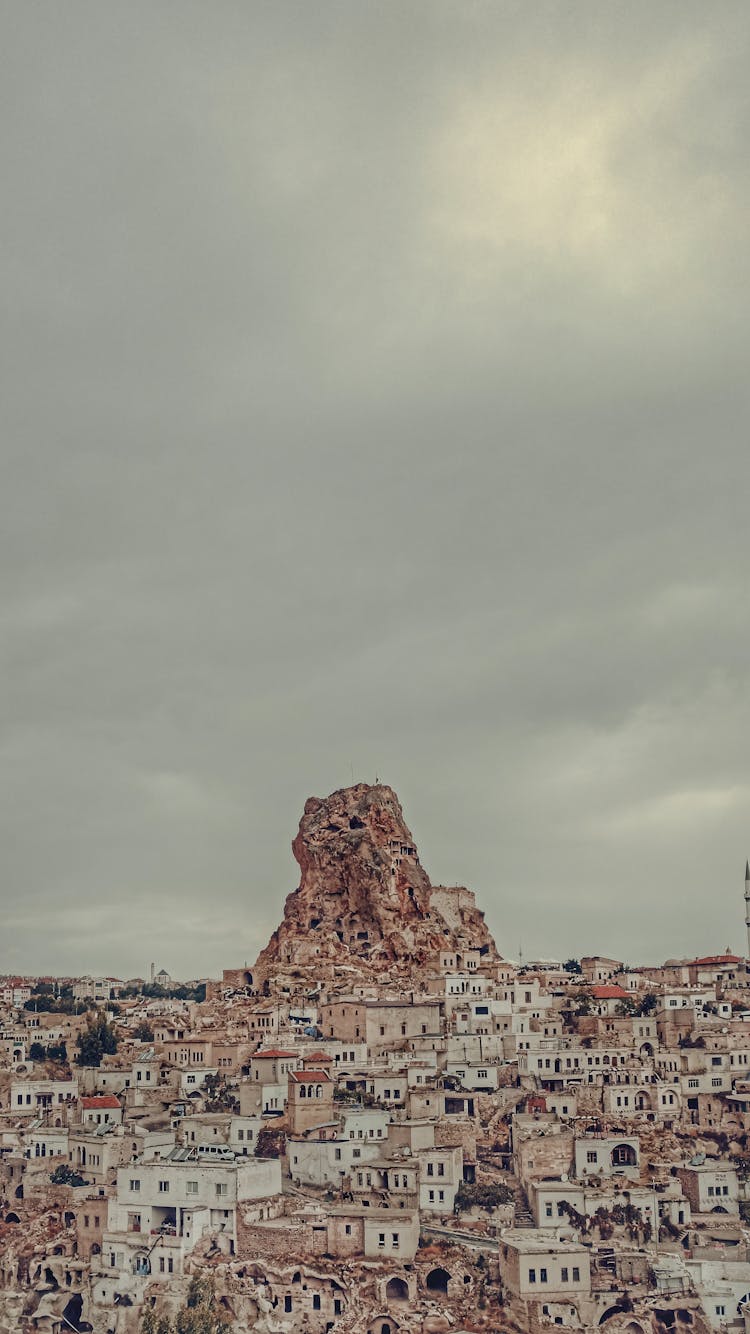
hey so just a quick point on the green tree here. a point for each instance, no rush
(65, 1176)
(572, 966)
(270, 1142)
(200, 1314)
(98, 1039)
(144, 1032)
(37, 1052)
(151, 1323)
(219, 1097)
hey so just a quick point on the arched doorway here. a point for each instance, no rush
(438, 1280)
(612, 1311)
(397, 1290)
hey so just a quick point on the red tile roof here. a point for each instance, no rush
(273, 1055)
(718, 958)
(318, 1056)
(101, 1100)
(609, 992)
(310, 1076)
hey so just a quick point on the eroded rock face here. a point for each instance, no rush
(364, 899)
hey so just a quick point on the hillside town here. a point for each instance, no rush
(383, 1126)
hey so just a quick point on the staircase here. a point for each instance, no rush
(522, 1215)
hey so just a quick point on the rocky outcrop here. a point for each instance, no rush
(364, 900)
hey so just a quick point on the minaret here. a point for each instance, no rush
(747, 904)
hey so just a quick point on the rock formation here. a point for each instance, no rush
(364, 902)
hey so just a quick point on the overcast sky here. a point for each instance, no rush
(375, 402)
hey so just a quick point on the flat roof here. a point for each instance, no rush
(539, 1240)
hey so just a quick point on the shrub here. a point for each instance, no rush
(473, 1194)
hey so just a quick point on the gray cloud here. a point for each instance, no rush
(374, 401)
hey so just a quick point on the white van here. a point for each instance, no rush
(220, 1153)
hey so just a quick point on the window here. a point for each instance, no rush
(348, 1229)
(381, 1239)
(548, 1210)
(542, 1275)
(563, 1275)
(316, 1301)
(164, 1187)
(576, 1274)
(395, 1237)
(135, 1185)
(192, 1187)
(532, 1276)
(591, 1156)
